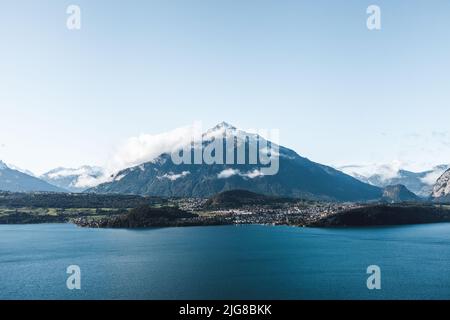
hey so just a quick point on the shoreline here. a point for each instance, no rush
(233, 208)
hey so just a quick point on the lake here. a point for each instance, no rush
(224, 262)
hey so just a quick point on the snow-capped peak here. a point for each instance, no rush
(222, 129)
(74, 179)
(224, 125)
(226, 131)
(67, 172)
(10, 166)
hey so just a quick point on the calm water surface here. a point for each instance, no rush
(224, 262)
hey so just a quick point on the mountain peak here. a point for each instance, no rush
(3, 165)
(74, 179)
(14, 180)
(223, 125)
(222, 129)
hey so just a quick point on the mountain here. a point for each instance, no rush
(13, 167)
(398, 193)
(73, 180)
(421, 183)
(298, 177)
(441, 190)
(16, 181)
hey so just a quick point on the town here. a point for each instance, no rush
(294, 212)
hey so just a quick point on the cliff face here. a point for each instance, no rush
(398, 193)
(441, 190)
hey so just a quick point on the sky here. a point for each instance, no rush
(339, 93)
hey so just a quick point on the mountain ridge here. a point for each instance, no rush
(17, 181)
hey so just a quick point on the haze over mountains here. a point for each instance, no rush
(421, 183)
(297, 177)
(74, 180)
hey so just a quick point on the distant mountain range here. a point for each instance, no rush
(421, 183)
(297, 176)
(17, 181)
(73, 180)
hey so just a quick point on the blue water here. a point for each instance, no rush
(224, 262)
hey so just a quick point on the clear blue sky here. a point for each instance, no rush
(339, 93)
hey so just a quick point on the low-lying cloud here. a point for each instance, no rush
(227, 173)
(147, 147)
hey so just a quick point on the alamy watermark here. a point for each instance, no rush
(374, 280)
(73, 21)
(374, 20)
(74, 280)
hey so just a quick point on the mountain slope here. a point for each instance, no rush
(74, 180)
(441, 190)
(297, 176)
(16, 181)
(398, 193)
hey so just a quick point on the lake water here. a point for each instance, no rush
(224, 262)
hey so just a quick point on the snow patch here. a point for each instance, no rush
(119, 177)
(227, 173)
(172, 176)
(224, 174)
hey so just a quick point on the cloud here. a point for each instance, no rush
(85, 177)
(144, 148)
(224, 174)
(67, 172)
(384, 171)
(147, 147)
(431, 178)
(253, 174)
(172, 177)
(87, 181)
